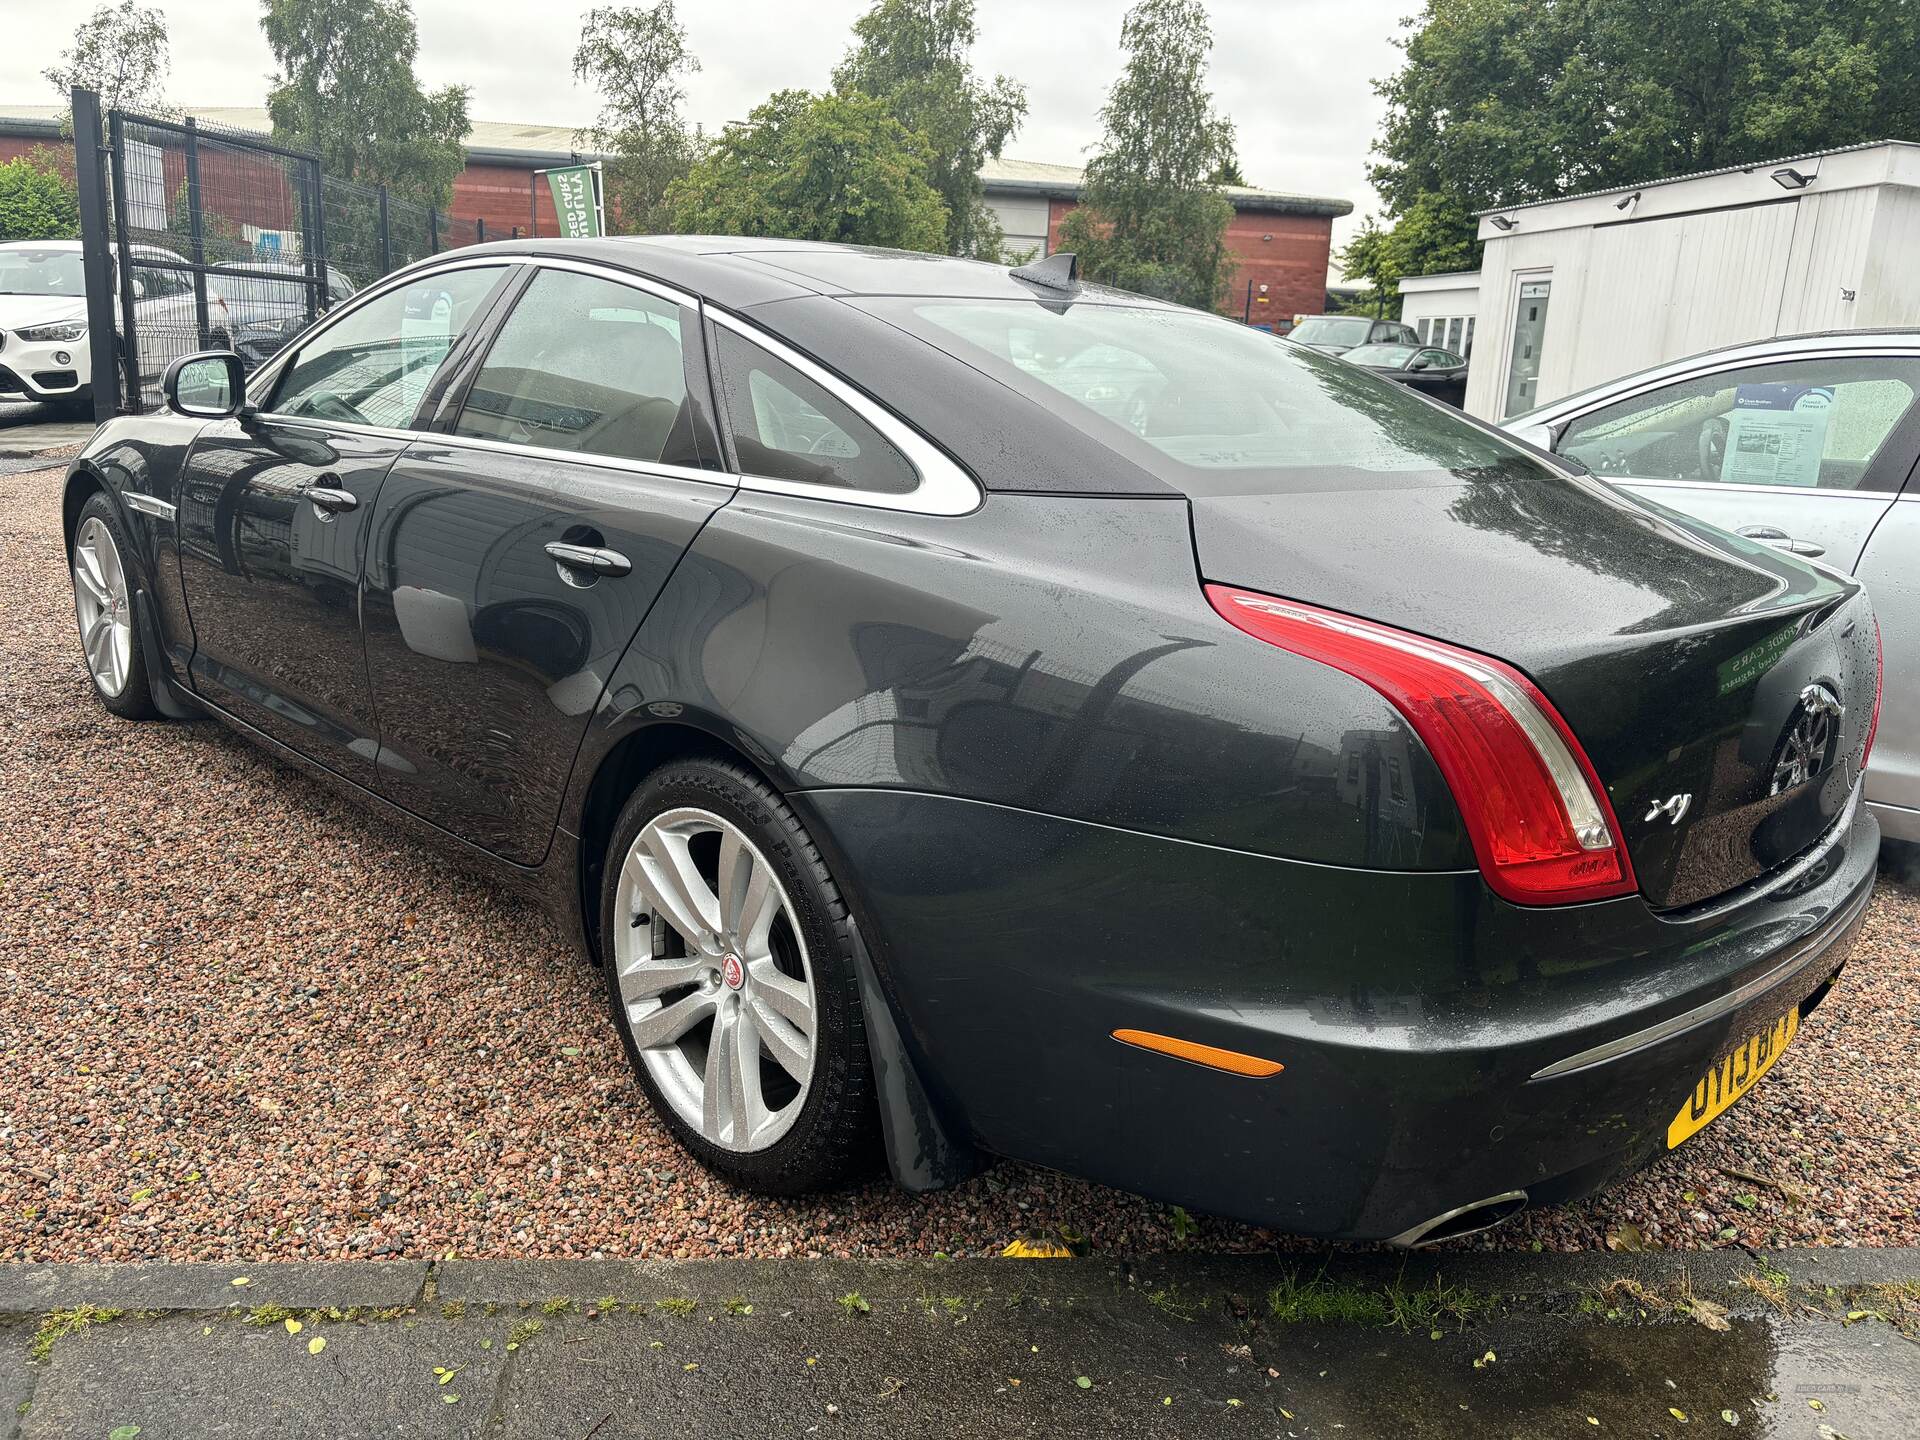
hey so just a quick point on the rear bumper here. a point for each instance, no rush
(1426, 1027)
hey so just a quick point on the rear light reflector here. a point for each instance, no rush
(1879, 684)
(1542, 828)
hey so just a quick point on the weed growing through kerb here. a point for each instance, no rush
(56, 1325)
(1406, 1307)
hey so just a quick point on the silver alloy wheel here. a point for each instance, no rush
(105, 611)
(715, 985)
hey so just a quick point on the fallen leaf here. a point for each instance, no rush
(450, 1399)
(1730, 1417)
(1630, 1238)
(1713, 1316)
(1234, 1403)
(316, 1344)
(294, 1327)
(1593, 1419)
(1679, 1415)
(446, 1375)
(1816, 1405)
(1083, 1382)
(123, 1432)
(241, 1280)
(1036, 1250)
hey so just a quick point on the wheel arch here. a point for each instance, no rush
(83, 483)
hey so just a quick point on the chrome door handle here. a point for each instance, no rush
(330, 502)
(1780, 540)
(588, 560)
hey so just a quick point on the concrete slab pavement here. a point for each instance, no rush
(1166, 1346)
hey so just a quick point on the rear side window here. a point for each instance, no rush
(374, 365)
(589, 365)
(1822, 423)
(1212, 405)
(786, 427)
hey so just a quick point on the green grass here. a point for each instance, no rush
(56, 1325)
(676, 1305)
(1318, 1300)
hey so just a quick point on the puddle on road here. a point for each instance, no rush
(1861, 1381)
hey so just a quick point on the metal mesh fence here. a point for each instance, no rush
(223, 239)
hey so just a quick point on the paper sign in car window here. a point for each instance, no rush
(1776, 435)
(426, 332)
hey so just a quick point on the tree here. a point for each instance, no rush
(635, 57)
(1226, 170)
(119, 53)
(815, 167)
(1434, 236)
(346, 91)
(37, 202)
(912, 55)
(1149, 220)
(1506, 101)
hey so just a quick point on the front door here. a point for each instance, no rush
(1804, 454)
(515, 552)
(274, 509)
(1529, 337)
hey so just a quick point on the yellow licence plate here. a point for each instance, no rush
(1732, 1077)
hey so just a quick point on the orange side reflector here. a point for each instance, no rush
(1212, 1056)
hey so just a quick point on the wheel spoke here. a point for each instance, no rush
(716, 1104)
(89, 560)
(749, 1107)
(668, 1023)
(670, 876)
(787, 996)
(119, 644)
(647, 977)
(788, 1046)
(88, 585)
(748, 900)
(98, 641)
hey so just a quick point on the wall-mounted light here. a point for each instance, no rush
(1788, 178)
(1628, 202)
(1502, 223)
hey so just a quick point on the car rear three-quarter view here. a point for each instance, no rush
(991, 714)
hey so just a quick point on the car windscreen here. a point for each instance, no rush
(1322, 330)
(1210, 405)
(42, 272)
(1381, 357)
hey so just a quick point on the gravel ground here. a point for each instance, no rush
(244, 1020)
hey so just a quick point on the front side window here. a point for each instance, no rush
(1817, 423)
(1226, 408)
(786, 427)
(1439, 359)
(1380, 357)
(589, 365)
(373, 367)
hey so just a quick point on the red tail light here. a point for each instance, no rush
(1879, 684)
(1539, 819)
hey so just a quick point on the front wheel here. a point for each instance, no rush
(730, 973)
(103, 604)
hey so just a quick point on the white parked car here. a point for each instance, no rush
(43, 319)
(1808, 443)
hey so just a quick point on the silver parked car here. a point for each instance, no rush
(1808, 443)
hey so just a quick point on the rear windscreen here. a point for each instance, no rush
(1216, 406)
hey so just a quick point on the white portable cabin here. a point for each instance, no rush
(1577, 291)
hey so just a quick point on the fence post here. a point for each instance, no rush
(433, 231)
(96, 257)
(308, 204)
(197, 230)
(321, 287)
(130, 336)
(386, 236)
(480, 231)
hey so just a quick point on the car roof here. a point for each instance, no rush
(39, 245)
(1773, 347)
(736, 271)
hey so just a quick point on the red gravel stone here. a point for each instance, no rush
(244, 1020)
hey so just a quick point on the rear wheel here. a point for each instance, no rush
(103, 603)
(731, 979)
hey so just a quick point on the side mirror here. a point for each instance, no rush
(209, 386)
(1420, 363)
(139, 288)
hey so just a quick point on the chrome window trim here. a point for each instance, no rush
(618, 276)
(269, 373)
(658, 469)
(944, 488)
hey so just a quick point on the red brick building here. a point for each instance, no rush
(1281, 242)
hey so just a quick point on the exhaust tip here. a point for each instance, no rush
(1462, 1220)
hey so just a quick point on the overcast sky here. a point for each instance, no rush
(1293, 74)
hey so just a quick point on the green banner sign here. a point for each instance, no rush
(575, 201)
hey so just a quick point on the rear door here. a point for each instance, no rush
(515, 550)
(1805, 454)
(274, 510)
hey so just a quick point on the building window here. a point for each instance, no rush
(1453, 334)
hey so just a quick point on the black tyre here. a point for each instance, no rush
(731, 980)
(104, 605)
